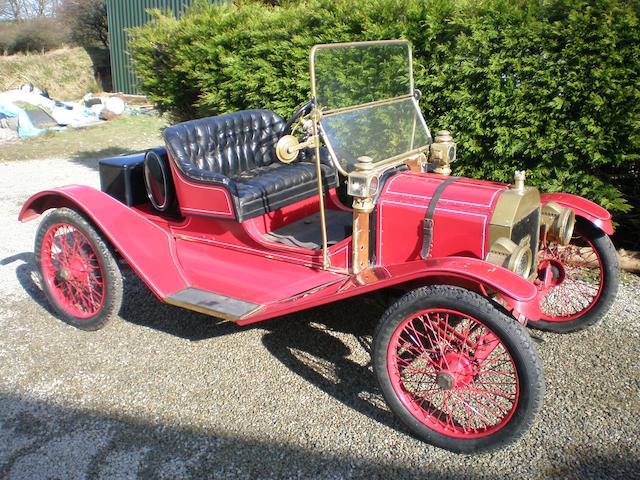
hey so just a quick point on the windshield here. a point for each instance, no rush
(365, 90)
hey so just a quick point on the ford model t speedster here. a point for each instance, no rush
(246, 217)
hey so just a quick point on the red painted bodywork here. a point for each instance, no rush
(146, 245)
(201, 198)
(582, 207)
(461, 219)
(234, 259)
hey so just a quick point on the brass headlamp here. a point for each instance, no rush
(508, 254)
(443, 150)
(558, 222)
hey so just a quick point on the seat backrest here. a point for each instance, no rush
(227, 144)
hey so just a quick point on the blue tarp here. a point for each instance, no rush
(25, 127)
(64, 114)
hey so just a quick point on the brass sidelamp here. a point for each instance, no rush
(443, 151)
(362, 186)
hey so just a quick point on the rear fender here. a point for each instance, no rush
(582, 207)
(146, 246)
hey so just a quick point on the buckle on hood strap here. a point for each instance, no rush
(427, 227)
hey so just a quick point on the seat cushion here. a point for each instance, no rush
(237, 152)
(227, 144)
(266, 189)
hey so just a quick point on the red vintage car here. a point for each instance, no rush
(247, 217)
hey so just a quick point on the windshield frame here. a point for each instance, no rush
(374, 43)
(330, 112)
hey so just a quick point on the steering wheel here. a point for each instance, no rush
(297, 115)
(289, 145)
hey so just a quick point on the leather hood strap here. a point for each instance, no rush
(428, 218)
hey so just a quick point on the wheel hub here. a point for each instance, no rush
(64, 274)
(445, 380)
(551, 272)
(458, 371)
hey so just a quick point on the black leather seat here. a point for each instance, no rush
(237, 151)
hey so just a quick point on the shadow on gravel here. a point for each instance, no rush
(308, 344)
(40, 440)
(28, 278)
(305, 342)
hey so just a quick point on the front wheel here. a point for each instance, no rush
(457, 372)
(79, 272)
(579, 281)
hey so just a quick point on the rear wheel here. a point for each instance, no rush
(580, 280)
(457, 372)
(80, 275)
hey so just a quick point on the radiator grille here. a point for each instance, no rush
(529, 225)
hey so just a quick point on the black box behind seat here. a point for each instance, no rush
(123, 178)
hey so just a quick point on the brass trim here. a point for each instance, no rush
(411, 95)
(558, 222)
(332, 153)
(315, 117)
(397, 158)
(287, 148)
(388, 161)
(517, 256)
(510, 208)
(362, 106)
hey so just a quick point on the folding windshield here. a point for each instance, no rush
(365, 91)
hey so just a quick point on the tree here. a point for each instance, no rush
(16, 10)
(12, 9)
(87, 19)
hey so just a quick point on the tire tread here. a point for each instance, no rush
(509, 433)
(113, 276)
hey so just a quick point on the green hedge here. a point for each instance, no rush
(550, 86)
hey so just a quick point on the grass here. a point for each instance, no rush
(125, 134)
(66, 73)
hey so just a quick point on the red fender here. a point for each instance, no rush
(519, 293)
(593, 212)
(148, 248)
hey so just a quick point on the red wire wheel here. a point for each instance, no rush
(578, 282)
(80, 276)
(456, 371)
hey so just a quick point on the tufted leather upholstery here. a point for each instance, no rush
(237, 151)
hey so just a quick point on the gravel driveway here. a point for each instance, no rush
(165, 393)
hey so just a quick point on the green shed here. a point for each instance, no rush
(124, 14)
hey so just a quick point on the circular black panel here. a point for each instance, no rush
(157, 180)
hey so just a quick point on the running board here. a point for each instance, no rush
(212, 304)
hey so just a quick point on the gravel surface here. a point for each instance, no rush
(165, 393)
(8, 135)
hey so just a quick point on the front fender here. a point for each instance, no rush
(518, 292)
(593, 212)
(147, 247)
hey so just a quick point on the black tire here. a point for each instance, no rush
(512, 339)
(610, 281)
(101, 283)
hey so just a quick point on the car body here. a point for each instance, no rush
(243, 217)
